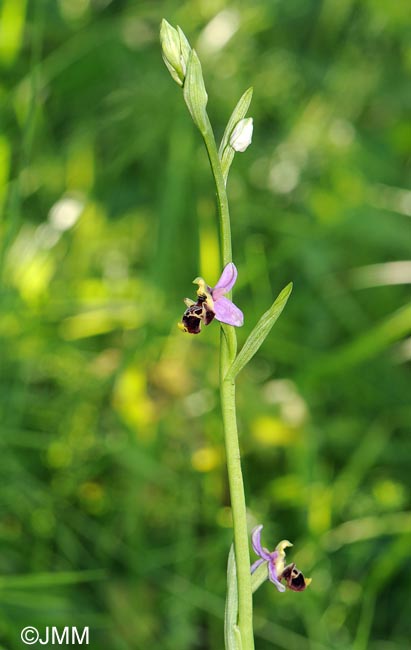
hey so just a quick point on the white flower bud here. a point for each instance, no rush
(242, 134)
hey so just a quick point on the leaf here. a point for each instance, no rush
(195, 94)
(46, 580)
(260, 332)
(232, 634)
(366, 346)
(226, 152)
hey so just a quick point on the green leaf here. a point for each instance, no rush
(260, 332)
(232, 634)
(195, 94)
(46, 580)
(225, 152)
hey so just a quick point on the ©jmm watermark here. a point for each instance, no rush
(56, 636)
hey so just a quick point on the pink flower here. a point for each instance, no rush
(211, 303)
(277, 571)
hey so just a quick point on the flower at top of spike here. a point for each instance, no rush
(211, 303)
(176, 50)
(277, 571)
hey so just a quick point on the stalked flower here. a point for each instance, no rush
(211, 303)
(242, 134)
(277, 571)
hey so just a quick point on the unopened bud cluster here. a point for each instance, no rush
(185, 68)
(176, 50)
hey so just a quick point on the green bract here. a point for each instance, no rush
(260, 332)
(232, 634)
(195, 94)
(226, 152)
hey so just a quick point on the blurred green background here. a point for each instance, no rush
(114, 509)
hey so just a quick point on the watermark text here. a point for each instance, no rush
(55, 635)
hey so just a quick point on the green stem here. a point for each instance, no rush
(222, 200)
(228, 349)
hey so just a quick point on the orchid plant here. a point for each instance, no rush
(214, 303)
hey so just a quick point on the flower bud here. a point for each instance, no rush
(195, 94)
(242, 134)
(176, 50)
